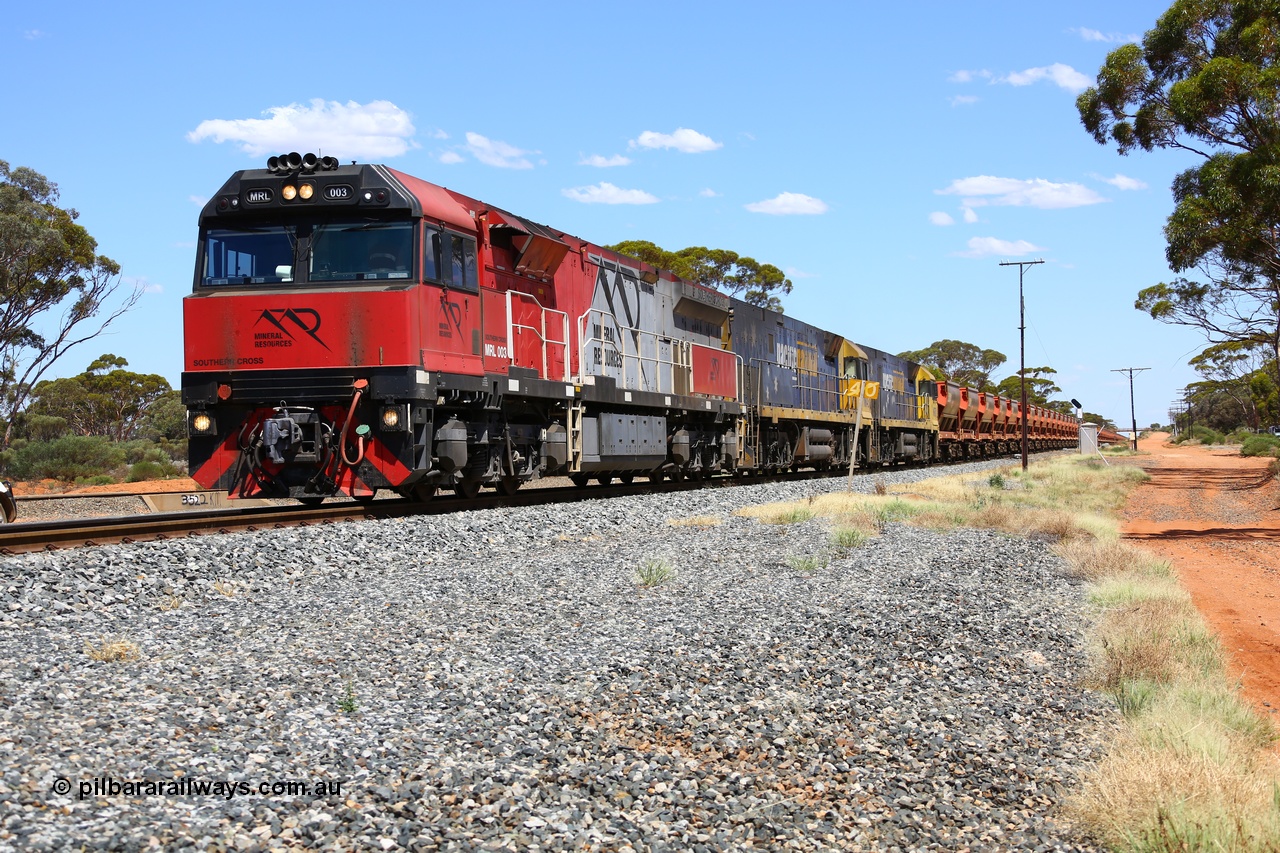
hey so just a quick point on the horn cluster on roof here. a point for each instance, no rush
(295, 162)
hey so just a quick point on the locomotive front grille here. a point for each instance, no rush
(270, 390)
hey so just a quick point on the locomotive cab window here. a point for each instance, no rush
(364, 251)
(329, 251)
(451, 260)
(855, 368)
(248, 255)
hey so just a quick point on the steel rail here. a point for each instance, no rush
(27, 537)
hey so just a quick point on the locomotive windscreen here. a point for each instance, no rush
(248, 255)
(309, 252)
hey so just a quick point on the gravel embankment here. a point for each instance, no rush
(499, 679)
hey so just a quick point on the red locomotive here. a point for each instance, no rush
(353, 328)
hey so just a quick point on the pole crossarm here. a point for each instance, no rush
(1133, 418)
(1022, 346)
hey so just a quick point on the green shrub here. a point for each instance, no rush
(44, 427)
(145, 470)
(67, 458)
(1205, 435)
(1238, 436)
(1260, 445)
(142, 450)
(95, 480)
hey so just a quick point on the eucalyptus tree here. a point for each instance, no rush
(1205, 80)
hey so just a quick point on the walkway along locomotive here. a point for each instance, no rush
(353, 328)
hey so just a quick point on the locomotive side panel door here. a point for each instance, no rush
(452, 337)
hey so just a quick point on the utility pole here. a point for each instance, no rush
(1132, 416)
(1022, 346)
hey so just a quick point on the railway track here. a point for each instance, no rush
(26, 537)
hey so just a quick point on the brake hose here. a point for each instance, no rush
(342, 440)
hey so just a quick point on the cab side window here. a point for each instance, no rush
(451, 260)
(431, 255)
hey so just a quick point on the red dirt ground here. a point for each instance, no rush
(146, 487)
(1215, 515)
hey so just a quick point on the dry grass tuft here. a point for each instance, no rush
(1158, 640)
(702, 522)
(113, 650)
(1196, 785)
(778, 513)
(226, 588)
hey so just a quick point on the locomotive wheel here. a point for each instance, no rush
(580, 480)
(626, 479)
(468, 488)
(604, 479)
(655, 476)
(508, 486)
(311, 501)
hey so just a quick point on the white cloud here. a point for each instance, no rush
(792, 272)
(963, 100)
(144, 284)
(684, 140)
(438, 134)
(1096, 35)
(1060, 75)
(708, 193)
(606, 193)
(32, 35)
(788, 204)
(1046, 195)
(970, 215)
(198, 200)
(1123, 182)
(491, 152)
(605, 162)
(375, 130)
(940, 218)
(450, 158)
(963, 76)
(983, 247)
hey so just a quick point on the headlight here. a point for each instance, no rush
(290, 192)
(202, 423)
(393, 418)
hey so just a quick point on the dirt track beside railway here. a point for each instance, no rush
(1215, 515)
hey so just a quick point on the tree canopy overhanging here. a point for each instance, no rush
(1206, 80)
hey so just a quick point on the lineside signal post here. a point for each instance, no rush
(862, 391)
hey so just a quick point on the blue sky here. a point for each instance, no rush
(888, 160)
